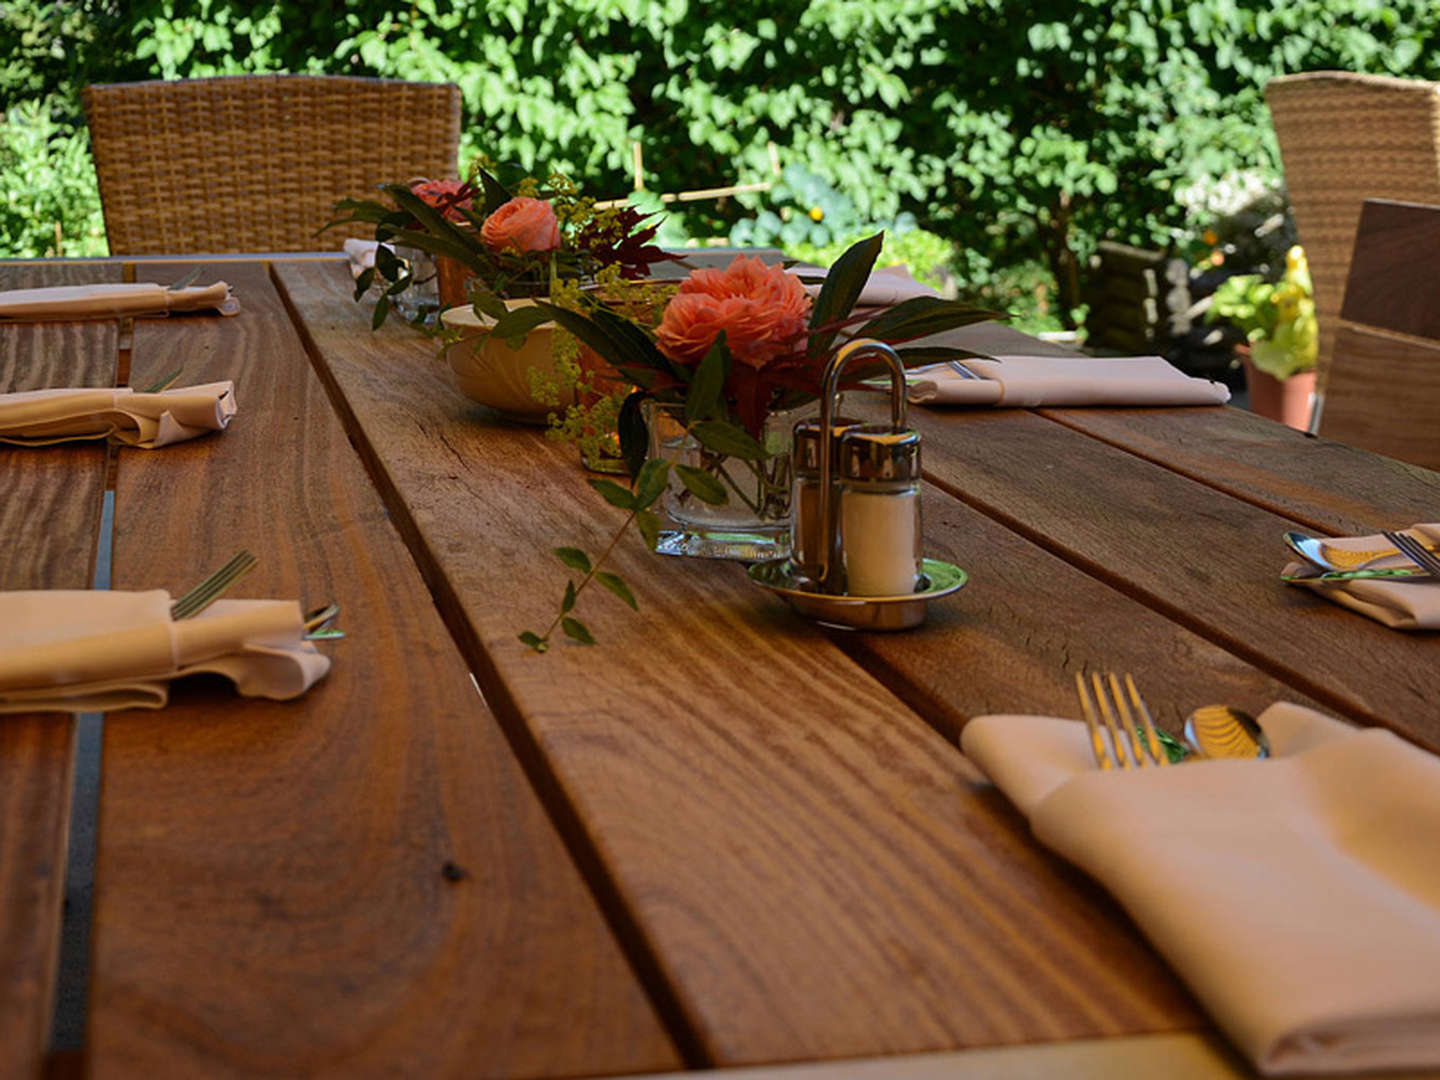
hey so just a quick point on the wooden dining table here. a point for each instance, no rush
(723, 836)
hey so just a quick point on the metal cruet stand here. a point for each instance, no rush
(821, 595)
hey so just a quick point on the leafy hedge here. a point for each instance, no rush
(1017, 131)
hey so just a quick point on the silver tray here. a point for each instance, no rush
(937, 579)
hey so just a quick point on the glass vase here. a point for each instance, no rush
(754, 525)
(420, 302)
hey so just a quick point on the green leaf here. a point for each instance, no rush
(534, 641)
(614, 494)
(575, 630)
(620, 351)
(841, 289)
(618, 587)
(922, 316)
(634, 435)
(363, 282)
(399, 286)
(433, 222)
(649, 526)
(574, 558)
(726, 438)
(514, 325)
(386, 262)
(651, 483)
(485, 300)
(704, 486)
(568, 601)
(704, 397)
(495, 194)
(382, 309)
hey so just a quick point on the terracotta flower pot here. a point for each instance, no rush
(1286, 400)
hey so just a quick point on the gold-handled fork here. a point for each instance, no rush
(213, 587)
(1118, 715)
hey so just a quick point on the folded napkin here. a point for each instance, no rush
(886, 287)
(361, 254)
(1400, 603)
(77, 651)
(1299, 897)
(1031, 381)
(112, 301)
(149, 421)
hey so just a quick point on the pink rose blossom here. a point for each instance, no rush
(452, 195)
(762, 309)
(522, 224)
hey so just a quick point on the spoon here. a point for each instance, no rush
(1219, 731)
(1312, 551)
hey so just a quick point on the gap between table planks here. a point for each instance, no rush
(50, 500)
(814, 871)
(272, 889)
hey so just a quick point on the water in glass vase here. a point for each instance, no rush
(754, 525)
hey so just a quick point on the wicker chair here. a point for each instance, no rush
(256, 162)
(1344, 139)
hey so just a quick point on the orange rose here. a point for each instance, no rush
(762, 309)
(522, 224)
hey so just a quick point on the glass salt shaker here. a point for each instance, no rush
(878, 518)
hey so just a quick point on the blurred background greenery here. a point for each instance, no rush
(997, 141)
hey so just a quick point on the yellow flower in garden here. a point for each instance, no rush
(816, 214)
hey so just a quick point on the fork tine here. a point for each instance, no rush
(213, 587)
(1415, 551)
(1097, 741)
(1127, 721)
(1117, 741)
(1152, 737)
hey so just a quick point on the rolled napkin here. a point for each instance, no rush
(112, 301)
(1400, 603)
(886, 286)
(149, 421)
(361, 254)
(1298, 897)
(1033, 381)
(79, 651)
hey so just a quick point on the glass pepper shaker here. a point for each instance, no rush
(807, 530)
(878, 517)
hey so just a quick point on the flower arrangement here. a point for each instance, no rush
(515, 243)
(731, 347)
(1278, 318)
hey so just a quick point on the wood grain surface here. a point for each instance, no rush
(357, 883)
(50, 502)
(800, 863)
(1201, 558)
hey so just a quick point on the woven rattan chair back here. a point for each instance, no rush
(1385, 375)
(256, 162)
(1343, 139)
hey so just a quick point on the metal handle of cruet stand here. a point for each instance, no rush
(830, 387)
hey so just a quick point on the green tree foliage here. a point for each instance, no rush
(1019, 131)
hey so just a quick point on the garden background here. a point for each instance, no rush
(998, 141)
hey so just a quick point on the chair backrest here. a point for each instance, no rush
(1343, 139)
(256, 162)
(1384, 392)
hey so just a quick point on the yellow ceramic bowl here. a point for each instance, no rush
(489, 371)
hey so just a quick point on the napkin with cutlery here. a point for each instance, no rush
(81, 651)
(149, 421)
(887, 286)
(112, 301)
(1298, 897)
(1034, 381)
(1399, 603)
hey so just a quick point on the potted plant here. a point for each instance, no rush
(1282, 338)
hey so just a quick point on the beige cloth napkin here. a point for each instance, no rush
(149, 421)
(1032, 381)
(1402, 604)
(112, 301)
(78, 651)
(361, 254)
(1298, 897)
(886, 287)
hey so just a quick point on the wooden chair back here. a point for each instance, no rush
(1343, 139)
(1384, 390)
(256, 162)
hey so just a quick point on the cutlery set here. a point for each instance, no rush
(316, 622)
(1340, 564)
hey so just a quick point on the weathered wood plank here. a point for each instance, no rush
(1012, 641)
(50, 503)
(360, 883)
(1113, 515)
(808, 868)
